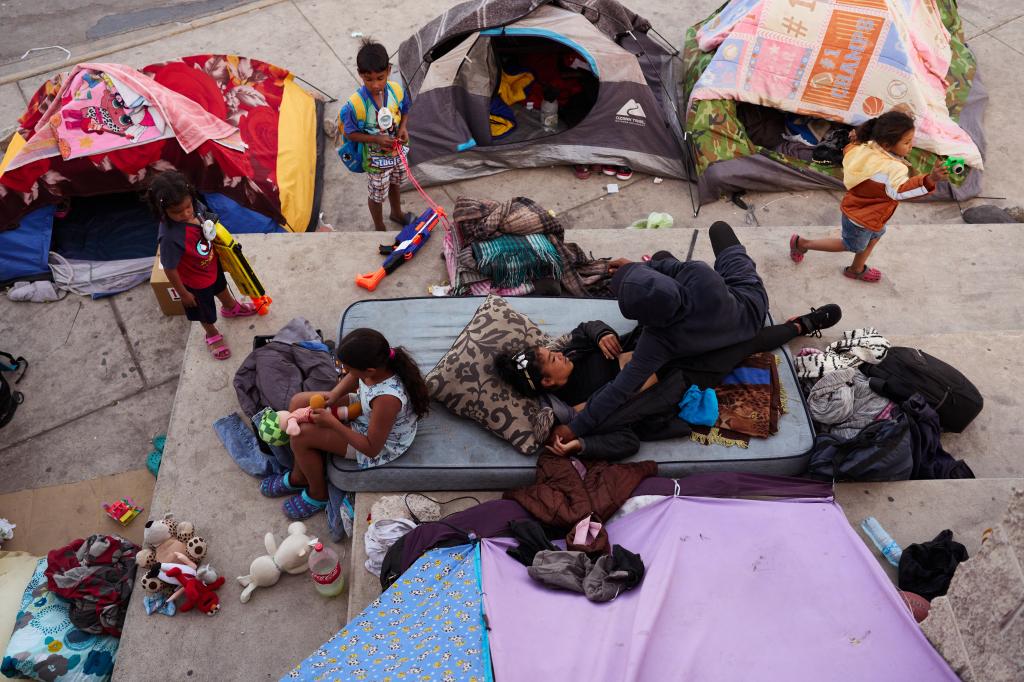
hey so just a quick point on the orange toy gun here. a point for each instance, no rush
(412, 237)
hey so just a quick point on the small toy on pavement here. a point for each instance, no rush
(291, 556)
(123, 511)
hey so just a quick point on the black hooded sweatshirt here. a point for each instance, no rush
(685, 309)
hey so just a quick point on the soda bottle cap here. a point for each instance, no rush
(318, 547)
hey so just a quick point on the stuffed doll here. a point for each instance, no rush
(291, 556)
(289, 421)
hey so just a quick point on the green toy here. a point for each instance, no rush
(269, 428)
(957, 169)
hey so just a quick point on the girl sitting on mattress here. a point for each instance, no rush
(566, 375)
(392, 397)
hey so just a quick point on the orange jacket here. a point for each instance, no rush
(876, 181)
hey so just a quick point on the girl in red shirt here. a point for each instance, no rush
(189, 259)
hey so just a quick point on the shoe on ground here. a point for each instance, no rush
(824, 317)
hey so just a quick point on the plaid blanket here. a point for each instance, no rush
(477, 220)
(510, 260)
(750, 402)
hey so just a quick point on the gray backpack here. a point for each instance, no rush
(881, 451)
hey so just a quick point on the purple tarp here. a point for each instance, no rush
(735, 590)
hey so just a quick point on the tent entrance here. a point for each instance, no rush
(105, 228)
(534, 65)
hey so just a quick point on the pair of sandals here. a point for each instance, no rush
(299, 506)
(218, 346)
(871, 275)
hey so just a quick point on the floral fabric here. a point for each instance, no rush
(46, 646)
(466, 382)
(427, 627)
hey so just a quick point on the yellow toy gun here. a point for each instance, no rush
(234, 263)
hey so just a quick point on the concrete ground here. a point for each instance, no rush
(104, 374)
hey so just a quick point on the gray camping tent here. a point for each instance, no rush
(623, 110)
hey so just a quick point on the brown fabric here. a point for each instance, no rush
(746, 410)
(480, 219)
(466, 382)
(560, 498)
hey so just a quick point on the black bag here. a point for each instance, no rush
(881, 451)
(906, 371)
(9, 399)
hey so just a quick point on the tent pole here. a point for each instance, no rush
(330, 98)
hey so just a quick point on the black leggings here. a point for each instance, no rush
(708, 370)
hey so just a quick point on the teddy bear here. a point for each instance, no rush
(162, 539)
(291, 556)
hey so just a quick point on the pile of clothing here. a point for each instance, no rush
(96, 575)
(514, 248)
(864, 435)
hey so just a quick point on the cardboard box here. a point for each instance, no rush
(166, 296)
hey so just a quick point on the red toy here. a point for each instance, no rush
(197, 593)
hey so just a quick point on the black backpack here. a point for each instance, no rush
(881, 451)
(9, 399)
(906, 371)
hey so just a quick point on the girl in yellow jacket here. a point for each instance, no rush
(876, 177)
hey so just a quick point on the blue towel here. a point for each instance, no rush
(698, 407)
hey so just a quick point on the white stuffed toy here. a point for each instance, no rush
(291, 556)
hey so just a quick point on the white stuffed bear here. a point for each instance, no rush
(291, 556)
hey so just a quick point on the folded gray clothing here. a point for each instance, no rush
(561, 570)
(35, 292)
(600, 581)
(843, 402)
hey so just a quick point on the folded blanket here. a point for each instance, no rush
(511, 260)
(750, 402)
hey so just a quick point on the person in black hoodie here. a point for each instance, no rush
(685, 310)
(567, 374)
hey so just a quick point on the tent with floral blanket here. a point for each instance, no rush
(243, 131)
(755, 69)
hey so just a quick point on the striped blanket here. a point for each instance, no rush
(511, 260)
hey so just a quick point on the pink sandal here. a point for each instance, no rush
(221, 352)
(871, 275)
(240, 310)
(795, 252)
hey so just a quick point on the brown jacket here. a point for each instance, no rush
(560, 498)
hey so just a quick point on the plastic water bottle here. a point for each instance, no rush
(549, 112)
(325, 568)
(883, 541)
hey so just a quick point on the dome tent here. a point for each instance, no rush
(243, 131)
(611, 72)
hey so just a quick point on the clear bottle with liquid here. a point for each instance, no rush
(883, 541)
(549, 111)
(325, 568)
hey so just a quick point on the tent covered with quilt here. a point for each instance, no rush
(71, 182)
(483, 74)
(772, 86)
(719, 585)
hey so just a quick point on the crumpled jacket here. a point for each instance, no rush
(844, 403)
(96, 575)
(271, 375)
(561, 497)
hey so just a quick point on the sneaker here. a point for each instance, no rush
(609, 170)
(582, 172)
(824, 317)
(624, 173)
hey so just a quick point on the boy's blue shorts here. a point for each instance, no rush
(857, 238)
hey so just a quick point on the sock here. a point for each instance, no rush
(320, 504)
(722, 236)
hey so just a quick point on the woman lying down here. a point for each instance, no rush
(573, 368)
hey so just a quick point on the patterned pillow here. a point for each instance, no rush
(466, 382)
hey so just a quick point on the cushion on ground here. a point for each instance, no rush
(46, 646)
(452, 453)
(466, 382)
(16, 569)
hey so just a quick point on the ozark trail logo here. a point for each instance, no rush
(631, 113)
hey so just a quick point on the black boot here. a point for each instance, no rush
(824, 317)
